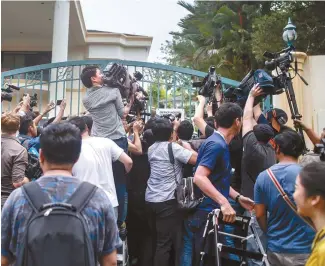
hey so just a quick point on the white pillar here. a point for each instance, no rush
(60, 44)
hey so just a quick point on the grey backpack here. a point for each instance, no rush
(57, 234)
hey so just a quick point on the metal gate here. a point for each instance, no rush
(167, 86)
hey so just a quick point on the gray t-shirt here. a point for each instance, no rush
(257, 157)
(161, 184)
(106, 109)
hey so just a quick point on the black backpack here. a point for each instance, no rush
(57, 234)
(33, 170)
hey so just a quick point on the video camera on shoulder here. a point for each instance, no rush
(119, 77)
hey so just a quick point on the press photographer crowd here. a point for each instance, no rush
(120, 185)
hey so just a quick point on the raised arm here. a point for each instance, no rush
(312, 135)
(48, 108)
(136, 147)
(248, 117)
(61, 112)
(199, 114)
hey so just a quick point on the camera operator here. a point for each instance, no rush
(276, 118)
(104, 105)
(258, 155)
(289, 238)
(107, 110)
(14, 158)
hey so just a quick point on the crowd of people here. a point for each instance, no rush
(245, 163)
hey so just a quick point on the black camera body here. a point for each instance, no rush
(6, 95)
(33, 100)
(6, 92)
(172, 117)
(118, 76)
(207, 85)
(281, 59)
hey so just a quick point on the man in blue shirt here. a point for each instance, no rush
(212, 177)
(289, 237)
(28, 134)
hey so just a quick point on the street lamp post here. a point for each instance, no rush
(289, 33)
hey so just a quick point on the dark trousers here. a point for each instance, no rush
(165, 227)
(120, 182)
(139, 230)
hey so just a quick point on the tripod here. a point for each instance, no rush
(285, 79)
(212, 227)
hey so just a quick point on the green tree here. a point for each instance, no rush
(234, 35)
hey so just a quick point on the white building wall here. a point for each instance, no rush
(114, 51)
(314, 94)
(136, 54)
(77, 53)
(104, 51)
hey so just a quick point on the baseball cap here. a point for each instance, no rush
(280, 117)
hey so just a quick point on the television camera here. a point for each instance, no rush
(240, 94)
(172, 117)
(6, 92)
(118, 76)
(33, 100)
(207, 87)
(282, 61)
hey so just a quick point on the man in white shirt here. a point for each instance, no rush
(95, 161)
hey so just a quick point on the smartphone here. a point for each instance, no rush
(58, 102)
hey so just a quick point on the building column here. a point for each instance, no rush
(60, 44)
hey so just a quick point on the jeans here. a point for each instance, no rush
(165, 225)
(230, 241)
(251, 243)
(120, 183)
(187, 248)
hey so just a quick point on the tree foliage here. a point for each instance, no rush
(234, 35)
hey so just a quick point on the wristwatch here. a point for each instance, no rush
(237, 198)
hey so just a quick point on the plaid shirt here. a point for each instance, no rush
(98, 214)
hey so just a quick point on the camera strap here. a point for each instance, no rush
(287, 199)
(172, 159)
